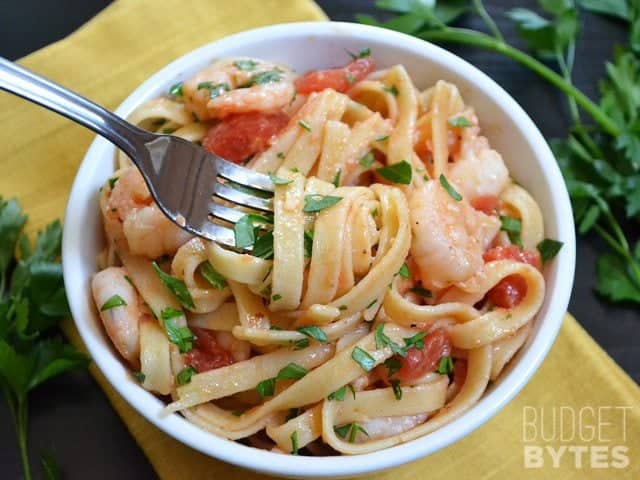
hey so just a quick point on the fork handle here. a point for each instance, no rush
(30, 86)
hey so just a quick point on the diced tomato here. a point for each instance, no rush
(419, 362)
(459, 372)
(513, 252)
(206, 354)
(486, 203)
(242, 135)
(512, 289)
(340, 79)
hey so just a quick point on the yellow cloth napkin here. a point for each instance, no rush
(105, 60)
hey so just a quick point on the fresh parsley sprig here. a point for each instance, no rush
(32, 303)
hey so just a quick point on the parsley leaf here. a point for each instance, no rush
(293, 371)
(279, 180)
(244, 229)
(445, 365)
(113, 302)
(339, 394)
(176, 90)
(246, 64)
(180, 336)
(397, 389)
(382, 340)
(459, 122)
(548, 249)
(404, 271)
(212, 276)
(397, 173)
(362, 358)
(184, 376)
(294, 443)
(314, 332)
(175, 286)
(367, 160)
(336, 179)
(513, 227)
(393, 364)
(267, 387)
(450, 190)
(316, 203)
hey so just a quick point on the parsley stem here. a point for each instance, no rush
(623, 251)
(21, 421)
(482, 40)
(491, 25)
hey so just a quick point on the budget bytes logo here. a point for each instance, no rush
(580, 437)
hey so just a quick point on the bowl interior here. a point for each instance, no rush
(506, 125)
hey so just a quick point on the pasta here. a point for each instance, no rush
(398, 275)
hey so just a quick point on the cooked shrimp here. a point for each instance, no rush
(384, 427)
(130, 216)
(449, 236)
(239, 349)
(478, 170)
(238, 86)
(120, 322)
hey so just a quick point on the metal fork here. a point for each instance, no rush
(183, 178)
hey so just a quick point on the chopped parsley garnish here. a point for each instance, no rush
(445, 365)
(339, 394)
(175, 286)
(261, 78)
(423, 292)
(404, 271)
(382, 340)
(182, 337)
(393, 90)
(350, 78)
(246, 65)
(266, 387)
(397, 390)
(263, 246)
(314, 332)
(139, 376)
(293, 413)
(397, 173)
(113, 302)
(280, 155)
(365, 52)
(214, 90)
(367, 160)
(382, 138)
(237, 413)
(294, 443)
(513, 227)
(276, 297)
(293, 371)
(112, 182)
(450, 190)
(351, 429)
(279, 180)
(374, 214)
(342, 308)
(301, 344)
(362, 358)
(308, 243)
(245, 231)
(176, 90)
(371, 304)
(459, 122)
(548, 249)
(184, 376)
(416, 340)
(336, 179)
(304, 124)
(212, 276)
(316, 203)
(393, 364)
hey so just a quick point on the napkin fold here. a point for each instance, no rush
(579, 417)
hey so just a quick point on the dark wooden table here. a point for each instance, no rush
(71, 415)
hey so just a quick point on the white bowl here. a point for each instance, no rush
(307, 46)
